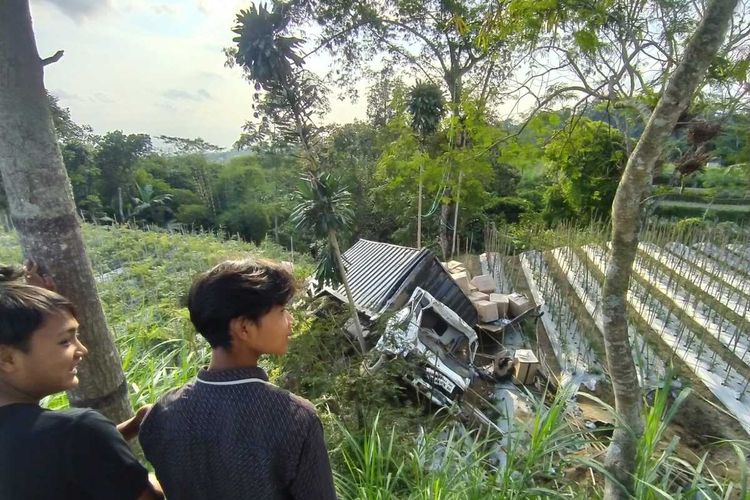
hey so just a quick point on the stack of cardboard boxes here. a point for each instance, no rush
(480, 289)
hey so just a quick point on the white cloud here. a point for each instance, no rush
(80, 9)
(179, 94)
(165, 10)
(101, 97)
(65, 96)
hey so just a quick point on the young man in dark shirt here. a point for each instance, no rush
(231, 434)
(73, 454)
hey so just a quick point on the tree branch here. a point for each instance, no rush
(54, 58)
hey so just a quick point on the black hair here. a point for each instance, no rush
(236, 289)
(23, 308)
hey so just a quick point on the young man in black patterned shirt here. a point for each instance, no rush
(231, 434)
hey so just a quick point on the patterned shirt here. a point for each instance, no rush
(233, 435)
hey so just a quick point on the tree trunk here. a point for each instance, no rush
(419, 210)
(119, 204)
(626, 212)
(455, 215)
(445, 209)
(333, 240)
(41, 205)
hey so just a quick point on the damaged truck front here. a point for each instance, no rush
(440, 345)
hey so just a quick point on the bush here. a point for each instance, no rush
(249, 220)
(197, 215)
(511, 208)
(701, 212)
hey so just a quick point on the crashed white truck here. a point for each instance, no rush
(441, 346)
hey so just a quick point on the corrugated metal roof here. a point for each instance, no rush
(377, 272)
(373, 270)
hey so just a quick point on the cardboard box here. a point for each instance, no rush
(526, 367)
(502, 303)
(484, 282)
(454, 264)
(518, 304)
(475, 296)
(462, 280)
(486, 310)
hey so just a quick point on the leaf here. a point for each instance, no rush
(586, 40)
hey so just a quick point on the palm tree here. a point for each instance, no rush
(147, 201)
(293, 96)
(325, 209)
(426, 107)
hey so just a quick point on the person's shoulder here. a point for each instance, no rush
(173, 395)
(302, 403)
(69, 416)
(84, 418)
(163, 405)
(302, 408)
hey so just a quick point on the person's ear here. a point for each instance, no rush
(8, 358)
(242, 329)
(237, 329)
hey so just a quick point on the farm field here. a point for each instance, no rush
(689, 307)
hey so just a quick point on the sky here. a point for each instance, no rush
(153, 66)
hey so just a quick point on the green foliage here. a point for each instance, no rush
(510, 208)
(324, 210)
(115, 156)
(85, 177)
(250, 220)
(261, 50)
(324, 205)
(426, 107)
(197, 215)
(681, 210)
(686, 226)
(585, 165)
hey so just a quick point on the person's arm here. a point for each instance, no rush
(130, 427)
(37, 275)
(314, 479)
(102, 464)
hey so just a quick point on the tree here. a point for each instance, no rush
(350, 153)
(426, 107)
(293, 97)
(67, 130)
(148, 203)
(585, 164)
(626, 212)
(439, 41)
(379, 94)
(85, 177)
(116, 155)
(42, 209)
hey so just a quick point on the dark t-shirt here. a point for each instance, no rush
(232, 436)
(72, 454)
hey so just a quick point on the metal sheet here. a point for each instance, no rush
(383, 275)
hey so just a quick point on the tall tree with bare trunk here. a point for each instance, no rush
(42, 209)
(626, 216)
(292, 97)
